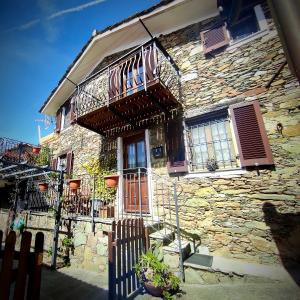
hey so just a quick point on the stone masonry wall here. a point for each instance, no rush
(90, 249)
(254, 217)
(84, 143)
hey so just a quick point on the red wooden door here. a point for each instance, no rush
(135, 188)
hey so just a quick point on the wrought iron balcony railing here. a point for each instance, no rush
(136, 87)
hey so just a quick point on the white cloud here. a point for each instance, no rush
(57, 14)
(23, 26)
(75, 9)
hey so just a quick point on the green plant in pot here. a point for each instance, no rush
(42, 158)
(156, 276)
(99, 168)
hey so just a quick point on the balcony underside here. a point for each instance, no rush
(136, 111)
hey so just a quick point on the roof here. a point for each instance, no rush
(108, 30)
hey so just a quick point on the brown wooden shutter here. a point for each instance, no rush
(54, 164)
(175, 147)
(251, 136)
(58, 120)
(69, 165)
(214, 38)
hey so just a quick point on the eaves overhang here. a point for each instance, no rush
(163, 18)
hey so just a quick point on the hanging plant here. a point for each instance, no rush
(212, 165)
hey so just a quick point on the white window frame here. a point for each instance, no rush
(63, 116)
(62, 122)
(263, 29)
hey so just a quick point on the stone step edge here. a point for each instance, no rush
(238, 267)
(162, 234)
(174, 248)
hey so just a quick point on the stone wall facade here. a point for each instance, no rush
(89, 250)
(232, 213)
(252, 215)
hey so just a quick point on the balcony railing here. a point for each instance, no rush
(139, 85)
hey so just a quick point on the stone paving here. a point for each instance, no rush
(70, 283)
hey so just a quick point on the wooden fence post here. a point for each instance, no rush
(34, 284)
(7, 265)
(23, 267)
(111, 263)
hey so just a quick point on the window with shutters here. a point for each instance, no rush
(211, 143)
(64, 162)
(228, 139)
(65, 116)
(241, 23)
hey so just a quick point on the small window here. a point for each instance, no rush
(65, 116)
(64, 162)
(245, 19)
(211, 144)
(242, 21)
(219, 142)
(246, 25)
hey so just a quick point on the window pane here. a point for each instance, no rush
(131, 156)
(141, 158)
(212, 140)
(246, 25)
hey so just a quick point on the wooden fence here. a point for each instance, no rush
(21, 268)
(126, 242)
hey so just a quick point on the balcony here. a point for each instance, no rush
(133, 92)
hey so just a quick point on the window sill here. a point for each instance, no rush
(247, 39)
(226, 173)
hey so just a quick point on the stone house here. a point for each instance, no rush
(186, 91)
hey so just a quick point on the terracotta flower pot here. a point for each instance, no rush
(111, 181)
(43, 186)
(36, 150)
(74, 184)
(152, 290)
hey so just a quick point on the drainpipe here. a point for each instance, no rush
(286, 15)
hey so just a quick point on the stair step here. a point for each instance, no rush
(162, 235)
(174, 247)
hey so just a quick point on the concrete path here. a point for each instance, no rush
(255, 291)
(73, 284)
(76, 284)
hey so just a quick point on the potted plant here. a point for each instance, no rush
(156, 276)
(99, 169)
(43, 186)
(111, 181)
(212, 165)
(74, 184)
(36, 149)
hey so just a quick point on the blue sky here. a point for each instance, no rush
(39, 39)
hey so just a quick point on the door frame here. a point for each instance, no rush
(120, 165)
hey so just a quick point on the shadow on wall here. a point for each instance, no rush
(285, 230)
